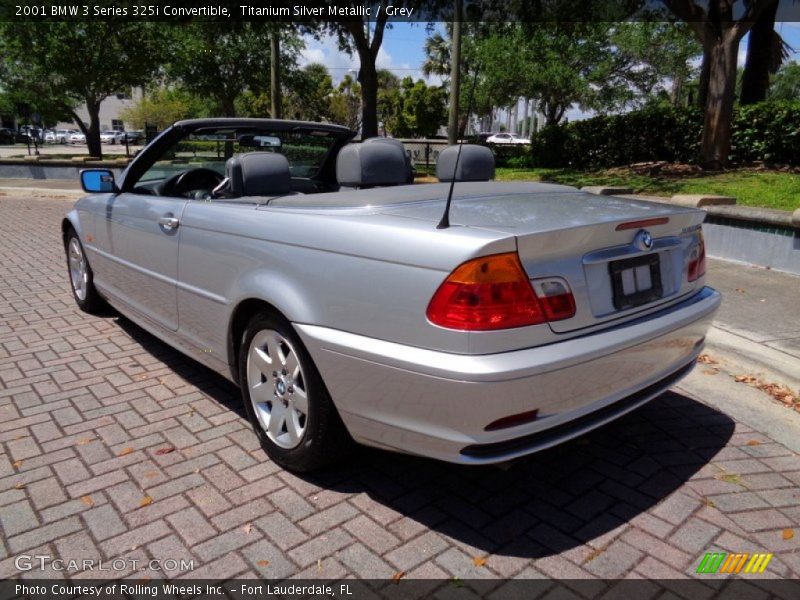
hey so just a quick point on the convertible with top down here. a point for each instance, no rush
(313, 273)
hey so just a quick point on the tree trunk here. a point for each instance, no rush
(705, 71)
(455, 77)
(275, 75)
(228, 106)
(761, 60)
(715, 144)
(525, 124)
(92, 132)
(368, 78)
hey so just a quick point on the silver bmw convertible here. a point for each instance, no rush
(313, 273)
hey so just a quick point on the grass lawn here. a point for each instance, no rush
(767, 189)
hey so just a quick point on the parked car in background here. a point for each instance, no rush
(6, 136)
(58, 136)
(112, 137)
(77, 138)
(28, 133)
(310, 271)
(507, 138)
(133, 137)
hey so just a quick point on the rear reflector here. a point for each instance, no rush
(697, 260)
(643, 223)
(513, 420)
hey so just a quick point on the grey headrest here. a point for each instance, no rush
(371, 163)
(476, 163)
(259, 174)
(398, 144)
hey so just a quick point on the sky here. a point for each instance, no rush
(402, 52)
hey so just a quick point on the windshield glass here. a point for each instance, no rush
(305, 151)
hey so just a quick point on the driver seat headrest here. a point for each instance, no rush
(258, 174)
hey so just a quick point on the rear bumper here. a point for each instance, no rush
(437, 404)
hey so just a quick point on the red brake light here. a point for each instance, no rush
(486, 293)
(697, 261)
(493, 292)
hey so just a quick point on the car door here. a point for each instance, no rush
(139, 239)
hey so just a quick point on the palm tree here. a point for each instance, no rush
(766, 51)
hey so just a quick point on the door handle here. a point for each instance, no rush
(168, 223)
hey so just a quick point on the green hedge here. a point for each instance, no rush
(508, 155)
(769, 131)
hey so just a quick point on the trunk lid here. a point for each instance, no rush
(594, 243)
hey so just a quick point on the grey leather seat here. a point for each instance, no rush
(476, 164)
(373, 163)
(256, 174)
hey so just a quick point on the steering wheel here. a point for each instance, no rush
(193, 179)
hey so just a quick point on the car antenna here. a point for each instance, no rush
(445, 222)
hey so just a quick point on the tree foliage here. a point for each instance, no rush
(69, 63)
(786, 83)
(309, 96)
(162, 106)
(345, 105)
(413, 108)
(222, 64)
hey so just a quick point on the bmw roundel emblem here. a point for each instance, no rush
(643, 240)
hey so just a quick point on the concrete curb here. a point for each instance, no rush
(701, 200)
(606, 190)
(746, 357)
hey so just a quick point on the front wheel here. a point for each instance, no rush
(81, 277)
(286, 401)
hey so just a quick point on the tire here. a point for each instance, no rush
(81, 278)
(307, 432)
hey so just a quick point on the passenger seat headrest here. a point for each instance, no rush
(372, 163)
(476, 163)
(398, 144)
(258, 174)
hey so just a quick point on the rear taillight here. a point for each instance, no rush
(493, 292)
(697, 260)
(556, 298)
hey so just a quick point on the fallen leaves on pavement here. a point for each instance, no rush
(706, 359)
(399, 575)
(781, 393)
(594, 554)
(167, 450)
(87, 500)
(248, 528)
(479, 561)
(263, 563)
(788, 534)
(753, 443)
(125, 451)
(146, 501)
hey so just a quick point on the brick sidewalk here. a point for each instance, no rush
(87, 405)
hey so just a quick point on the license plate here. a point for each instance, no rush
(635, 281)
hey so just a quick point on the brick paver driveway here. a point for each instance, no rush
(89, 405)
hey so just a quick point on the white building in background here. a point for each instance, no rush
(111, 110)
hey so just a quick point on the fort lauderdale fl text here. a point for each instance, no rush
(300, 10)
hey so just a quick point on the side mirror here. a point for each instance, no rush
(98, 181)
